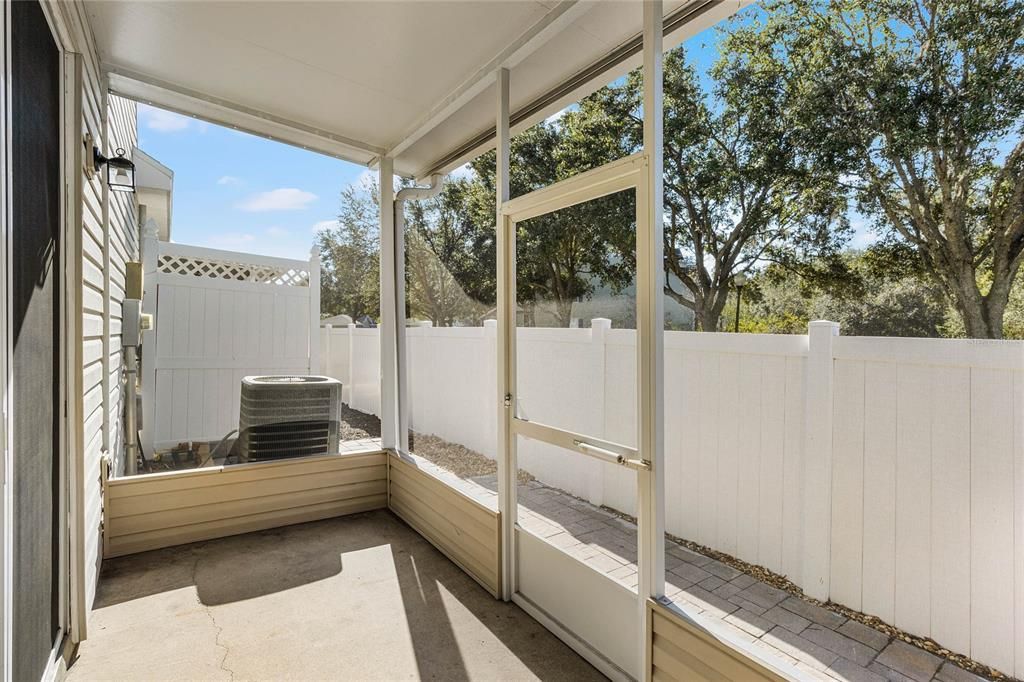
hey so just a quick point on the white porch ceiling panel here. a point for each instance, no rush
(358, 79)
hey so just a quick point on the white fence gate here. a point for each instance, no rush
(884, 474)
(219, 315)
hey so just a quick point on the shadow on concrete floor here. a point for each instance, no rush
(357, 597)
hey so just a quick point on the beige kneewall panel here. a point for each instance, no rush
(683, 651)
(160, 510)
(464, 530)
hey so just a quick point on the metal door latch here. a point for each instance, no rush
(508, 400)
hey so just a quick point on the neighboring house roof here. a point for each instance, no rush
(336, 321)
(151, 173)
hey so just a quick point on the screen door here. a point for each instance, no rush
(571, 364)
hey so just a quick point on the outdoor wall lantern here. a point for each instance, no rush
(120, 170)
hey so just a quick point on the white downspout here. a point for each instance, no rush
(402, 196)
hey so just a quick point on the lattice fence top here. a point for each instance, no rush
(235, 272)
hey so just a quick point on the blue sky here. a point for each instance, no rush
(240, 192)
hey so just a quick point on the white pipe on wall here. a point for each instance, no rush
(414, 193)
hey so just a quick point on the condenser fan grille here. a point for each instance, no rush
(288, 416)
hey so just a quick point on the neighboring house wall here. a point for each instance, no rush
(109, 238)
(154, 188)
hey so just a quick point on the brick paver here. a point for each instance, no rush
(818, 642)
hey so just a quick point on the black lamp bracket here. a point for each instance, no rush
(99, 160)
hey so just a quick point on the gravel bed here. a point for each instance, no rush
(356, 425)
(457, 459)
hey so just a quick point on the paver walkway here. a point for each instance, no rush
(818, 642)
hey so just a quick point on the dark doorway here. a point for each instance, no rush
(35, 323)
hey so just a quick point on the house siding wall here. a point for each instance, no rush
(123, 246)
(109, 238)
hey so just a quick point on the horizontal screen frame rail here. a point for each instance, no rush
(604, 450)
(617, 176)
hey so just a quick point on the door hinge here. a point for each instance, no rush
(508, 400)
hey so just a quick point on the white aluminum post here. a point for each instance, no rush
(401, 333)
(388, 309)
(506, 452)
(650, 334)
(314, 311)
(150, 260)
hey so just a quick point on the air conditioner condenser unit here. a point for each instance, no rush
(288, 416)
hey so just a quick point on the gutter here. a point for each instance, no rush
(415, 193)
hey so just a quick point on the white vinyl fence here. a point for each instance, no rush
(884, 474)
(219, 316)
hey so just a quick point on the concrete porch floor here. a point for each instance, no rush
(357, 597)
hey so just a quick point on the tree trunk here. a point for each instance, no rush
(700, 321)
(982, 315)
(708, 314)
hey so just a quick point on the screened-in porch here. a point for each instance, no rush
(506, 474)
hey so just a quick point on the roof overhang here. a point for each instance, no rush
(414, 79)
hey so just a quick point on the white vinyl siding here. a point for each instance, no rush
(123, 243)
(108, 232)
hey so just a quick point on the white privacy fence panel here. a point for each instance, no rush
(734, 414)
(452, 375)
(219, 316)
(928, 490)
(352, 356)
(884, 474)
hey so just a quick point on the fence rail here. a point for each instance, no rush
(884, 474)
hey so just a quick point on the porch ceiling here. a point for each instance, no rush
(358, 79)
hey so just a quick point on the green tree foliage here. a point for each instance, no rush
(564, 256)
(919, 104)
(350, 256)
(911, 111)
(738, 193)
(874, 300)
(447, 267)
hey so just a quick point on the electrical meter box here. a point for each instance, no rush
(133, 280)
(131, 322)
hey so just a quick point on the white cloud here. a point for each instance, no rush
(230, 180)
(324, 225)
(283, 199)
(276, 231)
(163, 121)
